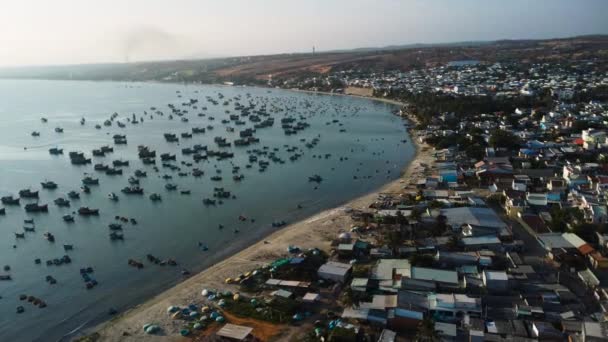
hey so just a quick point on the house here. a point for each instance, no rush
(380, 302)
(545, 331)
(537, 199)
(446, 331)
(476, 243)
(462, 258)
(389, 272)
(597, 260)
(387, 336)
(359, 284)
(588, 278)
(334, 271)
(556, 184)
(310, 297)
(451, 306)
(282, 294)
(594, 331)
(566, 241)
(533, 222)
(495, 280)
(442, 278)
(475, 217)
(346, 249)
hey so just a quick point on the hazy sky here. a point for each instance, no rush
(86, 31)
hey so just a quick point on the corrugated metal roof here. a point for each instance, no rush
(422, 273)
(238, 332)
(475, 216)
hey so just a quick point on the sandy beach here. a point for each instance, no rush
(316, 231)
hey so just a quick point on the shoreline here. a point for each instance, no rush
(316, 230)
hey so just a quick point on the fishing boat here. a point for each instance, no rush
(35, 134)
(98, 153)
(185, 192)
(208, 201)
(55, 151)
(68, 247)
(68, 218)
(170, 186)
(113, 171)
(20, 235)
(133, 181)
(101, 167)
(29, 229)
(44, 120)
(27, 193)
(9, 200)
(167, 157)
(132, 190)
(155, 197)
(135, 263)
(85, 189)
(112, 196)
(82, 121)
(58, 129)
(49, 185)
(116, 236)
(35, 207)
(169, 137)
(277, 224)
(140, 173)
(90, 181)
(315, 178)
(107, 149)
(49, 237)
(115, 226)
(86, 211)
(118, 163)
(73, 194)
(62, 202)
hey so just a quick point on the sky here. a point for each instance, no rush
(51, 32)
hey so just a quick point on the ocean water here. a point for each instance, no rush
(360, 147)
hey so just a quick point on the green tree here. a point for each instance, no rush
(421, 260)
(502, 138)
(416, 214)
(426, 331)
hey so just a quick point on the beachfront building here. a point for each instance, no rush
(335, 271)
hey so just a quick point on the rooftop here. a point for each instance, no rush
(237, 332)
(475, 216)
(422, 273)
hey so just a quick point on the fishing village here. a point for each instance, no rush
(495, 230)
(456, 195)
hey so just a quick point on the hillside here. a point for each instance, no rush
(257, 69)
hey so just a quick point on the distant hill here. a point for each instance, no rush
(258, 69)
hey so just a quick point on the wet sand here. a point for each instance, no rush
(317, 231)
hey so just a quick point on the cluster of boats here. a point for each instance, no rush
(245, 121)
